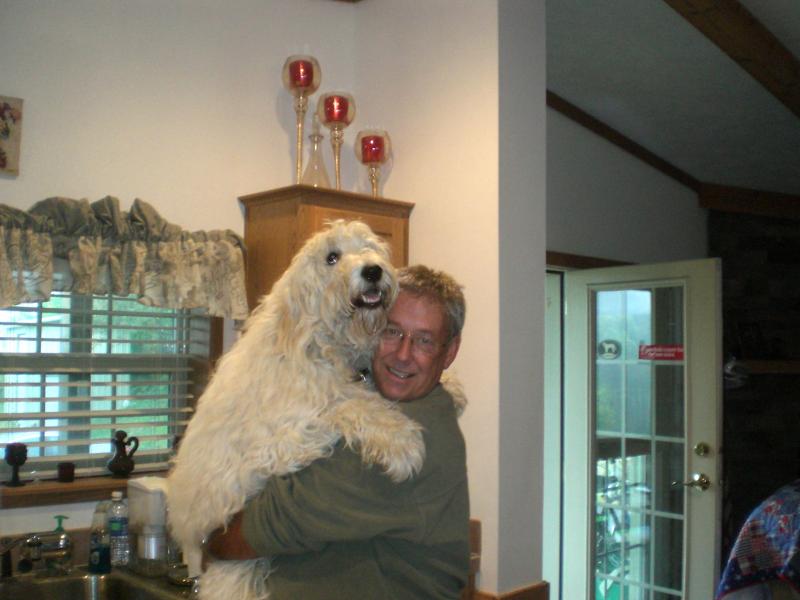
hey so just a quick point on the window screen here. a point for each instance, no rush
(76, 369)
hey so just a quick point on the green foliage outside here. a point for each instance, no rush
(93, 327)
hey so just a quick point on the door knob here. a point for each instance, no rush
(698, 480)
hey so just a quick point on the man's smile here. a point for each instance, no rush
(398, 373)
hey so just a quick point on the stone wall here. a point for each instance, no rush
(761, 316)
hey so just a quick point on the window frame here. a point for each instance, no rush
(85, 489)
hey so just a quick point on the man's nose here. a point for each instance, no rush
(404, 349)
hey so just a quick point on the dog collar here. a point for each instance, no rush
(362, 376)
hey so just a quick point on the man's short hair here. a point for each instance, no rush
(440, 287)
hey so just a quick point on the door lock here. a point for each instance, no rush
(698, 480)
(701, 449)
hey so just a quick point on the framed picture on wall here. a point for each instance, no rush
(10, 133)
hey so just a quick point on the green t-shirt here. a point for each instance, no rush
(340, 530)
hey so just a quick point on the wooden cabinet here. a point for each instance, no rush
(277, 222)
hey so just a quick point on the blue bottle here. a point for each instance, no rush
(100, 541)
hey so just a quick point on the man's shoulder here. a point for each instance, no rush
(437, 406)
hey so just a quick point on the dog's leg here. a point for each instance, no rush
(452, 384)
(381, 433)
(235, 580)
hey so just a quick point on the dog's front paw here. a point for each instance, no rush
(382, 434)
(399, 448)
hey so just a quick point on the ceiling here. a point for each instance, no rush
(640, 68)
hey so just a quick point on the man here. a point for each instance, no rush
(340, 530)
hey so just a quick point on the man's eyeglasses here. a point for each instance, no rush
(420, 342)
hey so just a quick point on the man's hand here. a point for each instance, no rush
(228, 544)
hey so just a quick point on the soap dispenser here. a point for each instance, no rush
(60, 522)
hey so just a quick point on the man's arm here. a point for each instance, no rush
(333, 499)
(229, 544)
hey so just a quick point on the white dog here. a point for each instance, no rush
(287, 391)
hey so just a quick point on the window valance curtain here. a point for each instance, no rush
(106, 249)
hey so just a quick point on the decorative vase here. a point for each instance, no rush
(121, 464)
(315, 174)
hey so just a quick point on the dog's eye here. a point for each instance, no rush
(333, 258)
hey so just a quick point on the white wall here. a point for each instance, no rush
(180, 103)
(522, 218)
(603, 202)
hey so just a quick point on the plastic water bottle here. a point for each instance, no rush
(118, 530)
(99, 541)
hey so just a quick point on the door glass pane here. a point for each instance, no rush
(608, 470)
(637, 547)
(668, 324)
(669, 400)
(638, 398)
(639, 423)
(638, 320)
(638, 479)
(669, 468)
(607, 589)
(609, 397)
(634, 592)
(668, 552)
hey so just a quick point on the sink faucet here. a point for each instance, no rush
(51, 549)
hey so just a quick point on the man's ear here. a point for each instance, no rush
(451, 351)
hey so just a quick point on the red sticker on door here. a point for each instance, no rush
(660, 352)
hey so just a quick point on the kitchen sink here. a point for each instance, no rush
(81, 585)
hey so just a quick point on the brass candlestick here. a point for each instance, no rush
(373, 147)
(301, 76)
(336, 111)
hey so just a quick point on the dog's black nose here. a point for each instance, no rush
(372, 273)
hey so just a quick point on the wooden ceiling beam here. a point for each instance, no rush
(581, 117)
(728, 198)
(736, 32)
(711, 196)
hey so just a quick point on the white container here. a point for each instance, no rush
(147, 500)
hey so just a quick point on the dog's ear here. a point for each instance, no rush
(284, 326)
(288, 325)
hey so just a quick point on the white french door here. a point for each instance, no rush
(642, 403)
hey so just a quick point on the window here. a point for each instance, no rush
(77, 368)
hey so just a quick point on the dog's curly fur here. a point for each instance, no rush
(285, 394)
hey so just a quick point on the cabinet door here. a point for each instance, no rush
(393, 230)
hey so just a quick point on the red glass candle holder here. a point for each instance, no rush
(373, 147)
(336, 110)
(301, 77)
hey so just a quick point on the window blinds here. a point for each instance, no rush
(76, 369)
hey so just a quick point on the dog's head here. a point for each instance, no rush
(342, 284)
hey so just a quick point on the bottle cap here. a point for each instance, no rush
(117, 495)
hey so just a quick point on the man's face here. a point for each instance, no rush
(404, 370)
